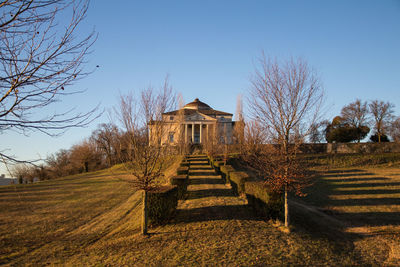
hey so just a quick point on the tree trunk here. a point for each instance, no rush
(286, 208)
(144, 213)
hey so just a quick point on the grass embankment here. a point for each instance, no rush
(362, 192)
(54, 219)
(350, 217)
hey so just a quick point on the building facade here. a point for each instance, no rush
(195, 123)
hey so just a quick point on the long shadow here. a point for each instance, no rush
(347, 174)
(365, 202)
(358, 179)
(206, 181)
(345, 171)
(210, 193)
(202, 173)
(357, 185)
(372, 218)
(212, 213)
(365, 192)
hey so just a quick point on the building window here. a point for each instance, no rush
(171, 137)
(171, 118)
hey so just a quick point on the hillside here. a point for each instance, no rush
(92, 219)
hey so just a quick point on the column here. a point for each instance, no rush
(192, 132)
(208, 135)
(186, 126)
(201, 126)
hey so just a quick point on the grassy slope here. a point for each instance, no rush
(93, 219)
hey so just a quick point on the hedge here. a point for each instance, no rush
(181, 182)
(225, 170)
(217, 165)
(182, 170)
(265, 203)
(237, 180)
(162, 204)
(184, 163)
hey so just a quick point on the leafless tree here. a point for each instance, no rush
(108, 139)
(142, 120)
(317, 131)
(238, 131)
(382, 113)
(355, 115)
(85, 156)
(285, 99)
(39, 59)
(395, 130)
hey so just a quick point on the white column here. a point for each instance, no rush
(186, 126)
(192, 132)
(201, 126)
(208, 135)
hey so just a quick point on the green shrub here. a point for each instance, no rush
(237, 180)
(265, 202)
(225, 170)
(181, 182)
(182, 170)
(162, 204)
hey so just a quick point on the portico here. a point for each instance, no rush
(197, 123)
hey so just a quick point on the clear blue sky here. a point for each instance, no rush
(209, 48)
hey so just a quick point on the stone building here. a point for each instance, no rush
(195, 123)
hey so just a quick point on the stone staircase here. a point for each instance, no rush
(208, 197)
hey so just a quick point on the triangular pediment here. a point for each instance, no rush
(199, 117)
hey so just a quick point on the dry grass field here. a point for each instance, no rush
(350, 217)
(366, 201)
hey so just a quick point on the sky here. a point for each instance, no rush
(209, 50)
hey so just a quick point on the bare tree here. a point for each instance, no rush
(39, 59)
(143, 122)
(285, 98)
(395, 130)
(238, 131)
(107, 138)
(355, 115)
(382, 113)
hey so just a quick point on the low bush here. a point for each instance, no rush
(225, 170)
(237, 180)
(181, 182)
(184, 163)
(182, 170)
(265, 203)
(162, 204)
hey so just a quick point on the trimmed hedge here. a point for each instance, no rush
(162, 204)
(182, 170)
(237, 180)
(217, 165)
(184, 163)
(225, 171)
(181, 182)
(265, 203)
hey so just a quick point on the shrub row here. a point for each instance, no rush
(225, 171)
(264, 202)
(237, 180)
(182, 170)
(162, 204)
(181, 182)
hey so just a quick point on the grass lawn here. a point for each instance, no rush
(366, 201)
(350, 217)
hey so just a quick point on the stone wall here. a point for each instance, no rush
(387, 147)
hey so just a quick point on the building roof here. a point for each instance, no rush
(198, 106)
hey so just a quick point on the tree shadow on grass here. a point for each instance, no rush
(198, 181)
(212, 213)
(210, 193)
